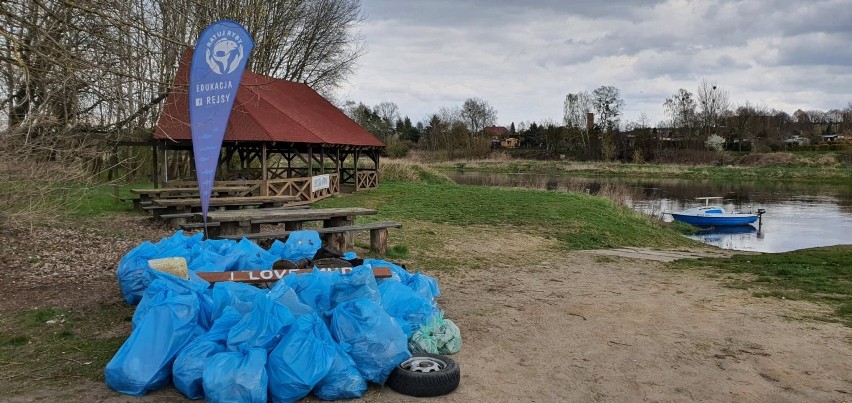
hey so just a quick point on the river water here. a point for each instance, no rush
(798, 214)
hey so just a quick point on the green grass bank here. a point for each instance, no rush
(577, 220)
(822, 275)
(833, 173)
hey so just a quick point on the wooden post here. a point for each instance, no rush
(322, 159)
(340, 241)
(155, 156)
(379, 240)
(355, 164)
(264, 188)
(311, 160)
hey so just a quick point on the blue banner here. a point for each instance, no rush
(217, 66)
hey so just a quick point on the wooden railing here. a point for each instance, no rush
(300, 187)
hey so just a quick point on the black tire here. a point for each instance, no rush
(425, 384)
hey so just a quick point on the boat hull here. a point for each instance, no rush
(716, 219)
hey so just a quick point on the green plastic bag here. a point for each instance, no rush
(440, 336)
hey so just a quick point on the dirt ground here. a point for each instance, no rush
(573, 326)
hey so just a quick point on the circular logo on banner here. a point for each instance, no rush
(224, 55)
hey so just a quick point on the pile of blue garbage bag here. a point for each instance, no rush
(322, 333)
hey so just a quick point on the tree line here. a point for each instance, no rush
(695, 122)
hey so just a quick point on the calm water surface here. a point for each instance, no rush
(798, 215)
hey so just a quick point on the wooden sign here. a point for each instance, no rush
(270, 276)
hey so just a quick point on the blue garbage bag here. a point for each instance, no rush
(314, 288)
(209, 261)
(240, 296)
(179, 241)
(410, 309)
(262, 327)
(130, 270)
(236, 376)
(302, 358)
(144, 361)
(217, 246)
(194, 286)
(283, 294)
(359, 283)
(350, 255)
(189, 364)
(371, 337)
(250, 256)
(343, 380)
(397, 272)
(425, 286)
(299, 245)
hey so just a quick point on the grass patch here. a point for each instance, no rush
(820, 275)
(74, 345)
(397, 252)
(577, 220)
(800, 170)
(101, 199)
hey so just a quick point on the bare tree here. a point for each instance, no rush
(681, 109)
(575, 112)
(477, 114)
(75, 76)
(608, 103)
(713, 105)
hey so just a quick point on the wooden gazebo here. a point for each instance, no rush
(282, 136)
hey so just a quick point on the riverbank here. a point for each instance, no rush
(828, 173)
(538, 317)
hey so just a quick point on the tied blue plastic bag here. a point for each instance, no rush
(130, 270)
(314, 288)
(189, 364)
(194, 286)
(284, 295)
(343, 380)
(425, 286)
(299, 245)
(409, 309)
(250, 256)
(210, 261)
(144, 361)
(302, 358)
(397, 272)
(371, 337)
(262, 327)
(237, 377)
(359, 283)
(239, 296)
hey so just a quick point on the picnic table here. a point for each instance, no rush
(235, 222)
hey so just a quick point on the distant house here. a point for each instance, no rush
(496, 132)
(509, 142)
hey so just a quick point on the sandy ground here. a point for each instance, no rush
(585, 327)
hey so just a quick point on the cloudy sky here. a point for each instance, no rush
(523, 57)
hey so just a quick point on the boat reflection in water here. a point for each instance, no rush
(728, 237)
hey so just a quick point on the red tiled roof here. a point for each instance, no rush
(267, 109)
(495, 130)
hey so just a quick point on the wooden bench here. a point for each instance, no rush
(176, 219)
(197, 225)
(378, 235)
(227, 201)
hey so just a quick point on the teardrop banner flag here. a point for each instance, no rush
(217, 66)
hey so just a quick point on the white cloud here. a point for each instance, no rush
(524, 58)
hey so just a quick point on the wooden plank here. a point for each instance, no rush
(289, 215)
(329, 230)
(226, 201)
(269, 276)
(188, 189)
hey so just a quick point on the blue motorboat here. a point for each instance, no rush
(708, 215)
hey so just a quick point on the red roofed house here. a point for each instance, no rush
(280, 134)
